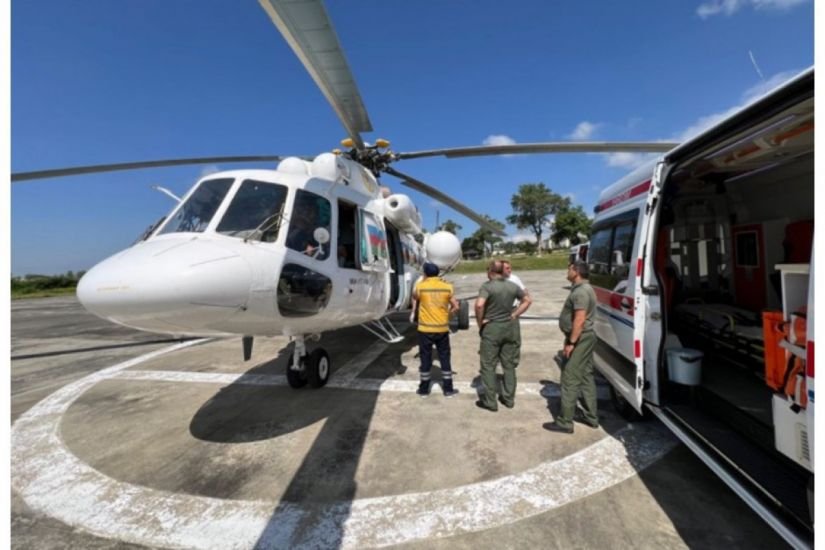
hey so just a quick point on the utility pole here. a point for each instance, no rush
(436, 220)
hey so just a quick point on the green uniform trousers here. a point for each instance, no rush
(500, 341)
(576, 379)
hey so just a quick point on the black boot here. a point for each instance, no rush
(447, 387)
(423, 388)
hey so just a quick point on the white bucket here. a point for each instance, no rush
(685, 366)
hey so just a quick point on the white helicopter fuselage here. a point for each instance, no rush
(225, 261)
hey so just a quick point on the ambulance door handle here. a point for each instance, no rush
(626, 303)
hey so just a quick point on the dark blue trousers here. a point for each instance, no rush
(441, 341)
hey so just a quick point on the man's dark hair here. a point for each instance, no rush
(582, 269)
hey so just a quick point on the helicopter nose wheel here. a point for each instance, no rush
(295, 377)
(313, 368)
(317, 368)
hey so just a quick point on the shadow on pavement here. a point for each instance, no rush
(685, 490)
(316, 503)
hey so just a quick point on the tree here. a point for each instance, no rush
(570, 223)
(472, 247)
(486, 237)
(525, 247)
(533, 206)
(450, 226)
(509, 247)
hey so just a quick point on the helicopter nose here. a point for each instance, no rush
(178, 288)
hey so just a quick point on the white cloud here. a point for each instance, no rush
(634, 160)
(776, 4)
(521, 236)
(498, 139)
(762, 88)
(628, 160)
(729, 7)
(584, 130)
(749, 96)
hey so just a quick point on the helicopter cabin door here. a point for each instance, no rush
(396, 259)
(372, 289)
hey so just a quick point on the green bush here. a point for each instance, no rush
(44, 285)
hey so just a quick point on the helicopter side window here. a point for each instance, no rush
(310, 213)
(255, 211)
(346, 234)
(194, 215)
(302, 292)
(373, 245)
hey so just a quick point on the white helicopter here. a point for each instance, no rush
(311, 246)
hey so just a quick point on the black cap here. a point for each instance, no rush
(430, 269)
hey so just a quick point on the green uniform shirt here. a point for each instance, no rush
(499, 295)
(581, 297)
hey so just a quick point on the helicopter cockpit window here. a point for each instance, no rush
(310, 213)
(194, 215)
(255, 211)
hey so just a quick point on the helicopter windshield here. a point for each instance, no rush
(194, 215)
(255, 208)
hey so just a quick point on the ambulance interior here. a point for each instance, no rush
(729, 216)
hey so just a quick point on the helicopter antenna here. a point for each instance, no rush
(166, 192)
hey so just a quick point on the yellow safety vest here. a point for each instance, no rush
(434, 295)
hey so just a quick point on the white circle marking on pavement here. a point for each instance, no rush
(55, 482)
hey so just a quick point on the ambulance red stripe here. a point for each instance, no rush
(624, 195)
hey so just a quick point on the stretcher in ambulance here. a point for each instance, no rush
(702, 263)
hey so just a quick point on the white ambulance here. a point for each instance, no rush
(702, 264)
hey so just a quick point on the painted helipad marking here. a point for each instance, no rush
(55, 482)
(529, 320)
(348, 382)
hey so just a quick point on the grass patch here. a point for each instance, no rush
(552, 260)
(45, 293)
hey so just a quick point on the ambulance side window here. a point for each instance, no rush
(611, 247)
(622, 248)
(600, 251)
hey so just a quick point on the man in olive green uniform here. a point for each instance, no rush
(500, 335)
(576, 322)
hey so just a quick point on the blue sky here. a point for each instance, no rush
(104, 81)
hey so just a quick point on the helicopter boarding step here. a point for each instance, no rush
(384, 330)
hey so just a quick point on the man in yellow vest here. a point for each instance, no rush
(435, 301)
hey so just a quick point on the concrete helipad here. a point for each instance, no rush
(185, 445)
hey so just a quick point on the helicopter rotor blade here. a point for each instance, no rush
(307, 29)
(430, 191)
(549, 147)
(97, 168)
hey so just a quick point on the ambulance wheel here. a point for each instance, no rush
(623, 407)
(463, 315)
(295, 378)
(317, 368)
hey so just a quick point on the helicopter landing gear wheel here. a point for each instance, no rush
(295, 378)
(317, 368)
(463, 315)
